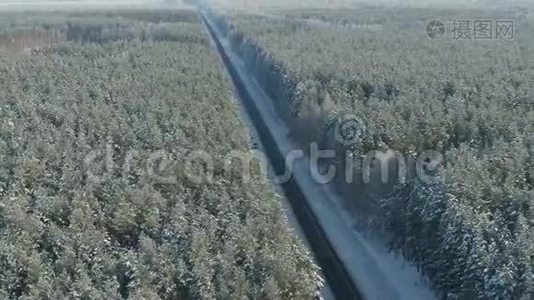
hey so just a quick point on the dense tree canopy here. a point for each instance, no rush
(87, 129)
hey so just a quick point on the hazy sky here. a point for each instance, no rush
(259, 4)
